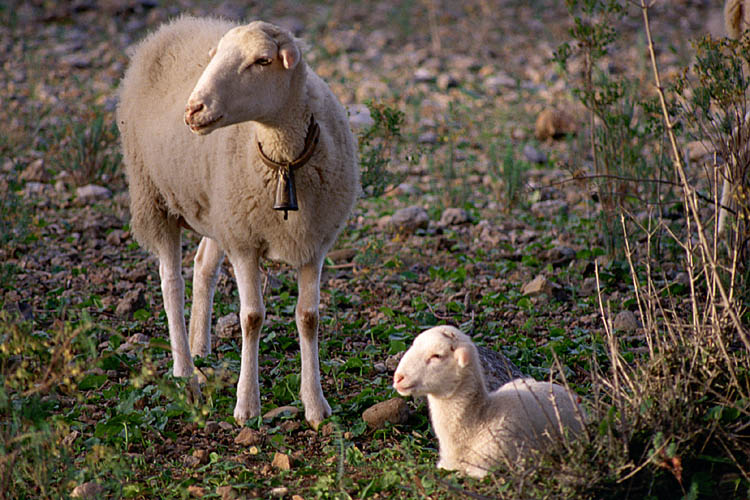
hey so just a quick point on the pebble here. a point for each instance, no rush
(87, 490)
(548, 208)
(410, 219)
(533, 155)
(625, 321)
(454, 216)
(393, 410)
(92, 192)
(228, 326)
(248, 437)
(281, 461)
(538, 285)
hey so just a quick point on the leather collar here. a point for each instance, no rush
(311, 141)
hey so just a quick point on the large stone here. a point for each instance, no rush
(539, 285)
(393, 410)
(281, 461)
(248, 437)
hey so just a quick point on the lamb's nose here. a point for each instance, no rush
(397, 378)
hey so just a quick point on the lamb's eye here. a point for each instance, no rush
(263, 61)
(434, 357)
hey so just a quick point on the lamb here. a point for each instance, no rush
(254, 113)
(477, 430)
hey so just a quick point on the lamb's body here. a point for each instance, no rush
(216, 184)
(478, 430)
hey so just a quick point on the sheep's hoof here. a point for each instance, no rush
(315, 416)
(243, 414)
(194, 394)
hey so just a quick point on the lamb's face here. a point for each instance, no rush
(248, 78)
(433, 364)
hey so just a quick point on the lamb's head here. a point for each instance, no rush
(435, 363)
(249, 77)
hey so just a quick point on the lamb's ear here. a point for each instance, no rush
(289, 54)
(462, 355)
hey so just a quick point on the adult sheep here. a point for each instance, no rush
(254, 111)
(476, 429)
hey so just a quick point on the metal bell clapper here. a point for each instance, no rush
(286, 192)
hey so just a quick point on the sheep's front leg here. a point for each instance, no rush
(306, 315)
(173, 292)
(252, 314)
(207, 263)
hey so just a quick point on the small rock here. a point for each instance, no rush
(115, 237)
(625, 321)
(70, 438)
(548, 208)
(248, 437)
(359, 117)
(393, 360)
(196, 491)
(228, 326)
(380, 367)
(212, 427)
(138, 338)
(498, 369)
(289, 410)
(130, 302)
(533, 155)
(697, 150)
(538, 285)
(92, 192)
(553, 123)
(423, 75)
(34, 188)
(202, 456)
(454, 217)
(190, 461)
(560, 255)
(446, 81)
(35, 172)
(87, 490)
(588, 287)
(226, 426)
(410, 219)
(281, 461)
(428, 137)
(393, 410)
(226, 492)
(682, 278)
(498, 80)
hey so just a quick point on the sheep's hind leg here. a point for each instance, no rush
(307, 316)
(207, 263)
(173, 292)
(252, 314)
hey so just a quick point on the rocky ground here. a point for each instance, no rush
(449, 240)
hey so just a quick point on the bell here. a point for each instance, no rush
(286, 193)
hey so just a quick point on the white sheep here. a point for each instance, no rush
(478, 430)
(246, 93)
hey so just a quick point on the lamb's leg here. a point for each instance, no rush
(311, 393)
(207, 263)
(252, 314)
(173, 291)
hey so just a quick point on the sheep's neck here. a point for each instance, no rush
(456, 417)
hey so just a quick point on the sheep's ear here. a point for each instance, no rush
(289, 54)
(462, 355)
(211, 52)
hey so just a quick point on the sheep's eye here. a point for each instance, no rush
(263, 61)
(434, 357)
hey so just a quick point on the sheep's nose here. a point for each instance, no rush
(193, 108)
(397, 378)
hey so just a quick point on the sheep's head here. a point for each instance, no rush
(249, 77)
(435, 362)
